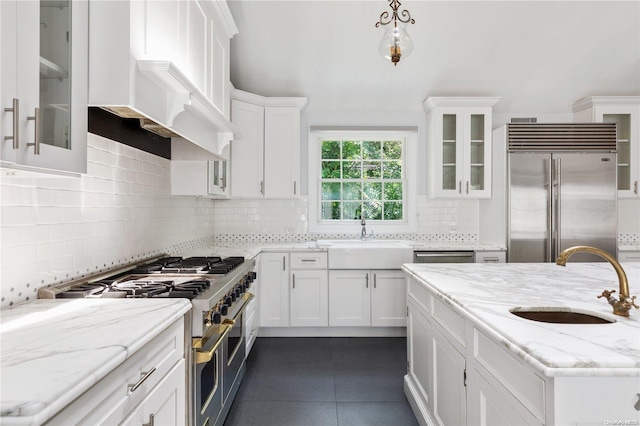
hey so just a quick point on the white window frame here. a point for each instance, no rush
(410, 182)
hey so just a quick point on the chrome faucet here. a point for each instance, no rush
(620, 307)
(363, 222)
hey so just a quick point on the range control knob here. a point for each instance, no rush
(216, 318)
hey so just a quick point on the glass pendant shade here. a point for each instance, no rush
(395, 44)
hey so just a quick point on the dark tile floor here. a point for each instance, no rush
(324, 381)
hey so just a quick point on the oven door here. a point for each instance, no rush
(208, 370)
(233, 357)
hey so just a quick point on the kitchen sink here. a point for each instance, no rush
(561, 315)
(367, 254)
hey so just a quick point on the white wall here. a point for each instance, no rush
(56, 229)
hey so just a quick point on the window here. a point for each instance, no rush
(360, 173)
(361, 177)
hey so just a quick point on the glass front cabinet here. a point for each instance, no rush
(459, 141)
(625, 112)
(44, 85)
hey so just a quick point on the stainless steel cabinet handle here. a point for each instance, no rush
(491, 260)
(36, 143)
(145, 376)
(151, 421)
(375, 281)
(294, 280)
(366, 280)
(295, 187)
(635, 187)
(467, 187)
(460, 187)
(308, 260)
(262, 187)
(284, 264)
(15, 109)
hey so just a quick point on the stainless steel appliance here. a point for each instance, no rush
(218, 290)
(562, 190)
(429, 256)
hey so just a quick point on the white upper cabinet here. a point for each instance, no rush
(459, 143)
(166, 63)
(625, 112)
(265, 163)
(44, 91)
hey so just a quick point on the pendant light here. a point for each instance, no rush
(395, 43)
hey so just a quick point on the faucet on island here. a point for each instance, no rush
(620, 307)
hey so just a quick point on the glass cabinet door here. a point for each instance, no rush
(623, 142)
(449, 151)
(477, 149)
(51, 85)
(55, 72)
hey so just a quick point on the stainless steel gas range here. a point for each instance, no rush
(219, 290)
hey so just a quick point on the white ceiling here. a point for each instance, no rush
(537, 56)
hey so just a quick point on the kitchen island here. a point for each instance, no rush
(472, 361)
(56, 352)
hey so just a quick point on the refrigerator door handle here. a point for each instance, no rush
(558, 208)
(549, 163)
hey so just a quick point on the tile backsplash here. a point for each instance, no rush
(283, 221)
(54, 229)
(57, 229)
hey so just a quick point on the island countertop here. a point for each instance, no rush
(55, 350)
(485, 293)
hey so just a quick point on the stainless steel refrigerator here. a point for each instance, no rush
(562, 190)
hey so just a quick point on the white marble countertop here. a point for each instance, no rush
(252, 250)
(486, 292)
(52, 351)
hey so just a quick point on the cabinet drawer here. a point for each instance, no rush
(452, 322)
(525, 385)
(629, 256)
(308, 260)
(420, 294)
(490, 257)
(111, 399)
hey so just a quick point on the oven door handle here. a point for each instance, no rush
(204, 356)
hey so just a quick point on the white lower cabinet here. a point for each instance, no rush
(147, 388)
(449, 382)
(349, 298)
(309, 289)
(436, 370)
(274, 289)
(388, 299)
(489, 405)
(309, 298)
(366, 298)
(458, 374)
(251, 316)
(162, 406)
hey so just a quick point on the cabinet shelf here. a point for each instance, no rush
(477, 141)
(51, 70)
